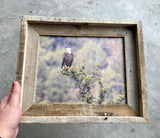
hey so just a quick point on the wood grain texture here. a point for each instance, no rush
(131, 71)
(83, 119)
(91, 21)
(79, 110)
(22, 55)
(33, 26)
(30, 69)
(141, 73)
(79, 30)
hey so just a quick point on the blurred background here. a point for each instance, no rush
(55, 87)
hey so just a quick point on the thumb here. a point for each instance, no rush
(15, 94)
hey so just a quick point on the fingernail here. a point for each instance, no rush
(15, 84)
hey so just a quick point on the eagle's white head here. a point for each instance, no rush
(68, 50)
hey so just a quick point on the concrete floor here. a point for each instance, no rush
(147, 11)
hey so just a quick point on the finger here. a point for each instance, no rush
(16, 133)
(15, 94)
(4, 101)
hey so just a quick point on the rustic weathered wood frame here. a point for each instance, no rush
(136, 109)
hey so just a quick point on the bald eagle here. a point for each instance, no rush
(67, 59)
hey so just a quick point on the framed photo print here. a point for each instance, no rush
(82, 71)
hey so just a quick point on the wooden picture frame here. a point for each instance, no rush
(136, 109)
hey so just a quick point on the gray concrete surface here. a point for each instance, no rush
(147, 11)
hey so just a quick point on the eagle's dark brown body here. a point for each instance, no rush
(67, 60)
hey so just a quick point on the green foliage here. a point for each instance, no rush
(85, 82)
(93, 53)
(117, 98)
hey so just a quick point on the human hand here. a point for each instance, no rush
(10, 112)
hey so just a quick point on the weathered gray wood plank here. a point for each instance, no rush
(32, 27)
